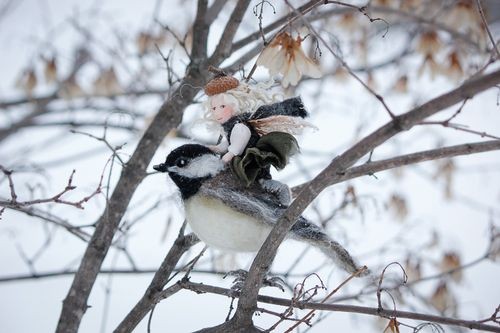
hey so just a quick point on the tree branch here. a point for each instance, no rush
(200, 33)
(471, 324)
(57, 198)
(214, 10)
(50, 218)
(275, 25)
(494, 45)
(168, 117)
(153, 293)
(422, 156)
(223, 49)
(265, 256)
(40, 105)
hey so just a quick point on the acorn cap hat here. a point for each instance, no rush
(220, 83)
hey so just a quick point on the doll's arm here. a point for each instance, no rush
(221, 147)
(240, 135)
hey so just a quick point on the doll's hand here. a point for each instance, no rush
(215, 149)
(227, 157)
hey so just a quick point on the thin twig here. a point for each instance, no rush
(13, 202)
(471, 324)
(399, 161)
(311, 313)
(341, 61)
(154, 293)
(341, 163)
(103, 139)
(458, 127)
(302, 11)
(494, 45)
(259, 14)
(380, 289)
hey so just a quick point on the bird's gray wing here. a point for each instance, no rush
(267, 208)
(269, 211)
(252, 200)
(305, 231)
(262, 206)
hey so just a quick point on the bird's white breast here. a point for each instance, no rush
(222, 227)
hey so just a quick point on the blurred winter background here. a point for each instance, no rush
(80, 82)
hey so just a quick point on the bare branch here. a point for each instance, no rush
(61, 102)
(167, 118)
(309, 315)
(154, 293)
(27, 120)
(275, 25)
(43, 99)
(380, 289)
(471, 324)
(494, 45)
(13, 202)
(75, 124)
(426, 21)
(223, 49)
(458, 127)
(50, 218)
(200, 33)
(372, 167)
(341, 61)
(103, 139)
(405, 121)
(214, 10)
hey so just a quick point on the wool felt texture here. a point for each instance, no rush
(261, 208)
(267, 208)
(273, 149)
(292, 107)
(289, 107)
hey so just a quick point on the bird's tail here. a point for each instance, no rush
(305, 231)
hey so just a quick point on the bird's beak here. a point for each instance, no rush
(160, 167)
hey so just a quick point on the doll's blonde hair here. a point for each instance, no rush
(244, 98)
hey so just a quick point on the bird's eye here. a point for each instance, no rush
(181, 162)
(222, 106)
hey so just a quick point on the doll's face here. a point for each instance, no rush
(221, 110)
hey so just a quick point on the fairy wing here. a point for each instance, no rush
(286, 116)
(288, 124)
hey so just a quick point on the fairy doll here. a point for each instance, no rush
(256, 129)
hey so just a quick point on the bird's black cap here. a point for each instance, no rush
(188, 151)
(180, 157)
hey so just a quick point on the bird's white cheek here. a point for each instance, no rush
(222, 227)
(173, 169)
(200, 167)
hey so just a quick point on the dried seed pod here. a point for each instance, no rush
(70, 89)
(398, 207)
(50, 71)
(27, 81)
(442, 299)
(451, 261)
(401, 85)
(107, 83)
